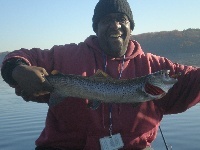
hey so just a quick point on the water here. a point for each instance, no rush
(21, 122)
(181, 131)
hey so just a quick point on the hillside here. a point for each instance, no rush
(170, 41)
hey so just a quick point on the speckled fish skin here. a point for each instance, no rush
(106, 89)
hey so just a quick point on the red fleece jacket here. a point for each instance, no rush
(71, 124)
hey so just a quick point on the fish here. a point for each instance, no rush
(102, 88)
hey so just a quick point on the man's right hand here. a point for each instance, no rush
(31, 82)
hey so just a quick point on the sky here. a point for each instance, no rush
(45, 23)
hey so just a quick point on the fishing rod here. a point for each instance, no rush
(166, 146)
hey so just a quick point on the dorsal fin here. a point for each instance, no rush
(101, 74)
(55, 72)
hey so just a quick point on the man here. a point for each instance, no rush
(70, 124)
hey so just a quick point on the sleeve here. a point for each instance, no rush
(33, 57)
(185, 93)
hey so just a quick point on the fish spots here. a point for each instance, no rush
(107, 89)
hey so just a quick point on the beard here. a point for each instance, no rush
(116, 47)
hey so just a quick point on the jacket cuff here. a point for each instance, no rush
(7, 69)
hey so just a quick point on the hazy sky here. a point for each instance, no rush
(44, 23)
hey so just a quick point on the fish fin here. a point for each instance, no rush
(94, 104)
(55, 99)
(136, 104)
(101, 74)
(54, 72)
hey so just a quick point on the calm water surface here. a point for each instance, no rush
(21, 122)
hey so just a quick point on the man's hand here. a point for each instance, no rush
(31, 82)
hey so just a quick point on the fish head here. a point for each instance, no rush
(162, 80)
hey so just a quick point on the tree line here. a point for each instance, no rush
(170, 41)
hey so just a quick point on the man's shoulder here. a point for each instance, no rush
(65, 46)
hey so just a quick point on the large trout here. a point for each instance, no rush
(102, 88)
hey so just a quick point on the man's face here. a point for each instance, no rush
(113, 34)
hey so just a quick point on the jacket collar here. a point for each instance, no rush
(134, 49)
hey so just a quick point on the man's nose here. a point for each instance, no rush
(115, 24)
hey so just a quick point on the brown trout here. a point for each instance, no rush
(102, 88)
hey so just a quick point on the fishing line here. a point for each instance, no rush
(105, 61)
(120, 75)
(164, 139)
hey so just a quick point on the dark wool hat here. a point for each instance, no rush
(105, 7)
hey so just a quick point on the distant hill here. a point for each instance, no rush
(2, 55)
(170, 41)
(164, 42)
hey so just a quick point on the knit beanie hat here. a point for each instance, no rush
(105, 7)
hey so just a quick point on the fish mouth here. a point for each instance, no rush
(153, 90)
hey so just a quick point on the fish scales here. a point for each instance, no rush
(107, 89)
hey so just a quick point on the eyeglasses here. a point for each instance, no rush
(109, 20)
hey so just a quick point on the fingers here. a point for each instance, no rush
(32, 82)
(32, 97)
(36, 94)
(43, 71)
(46, 86)
(43, 74)
(42, 89)
(24, 95)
